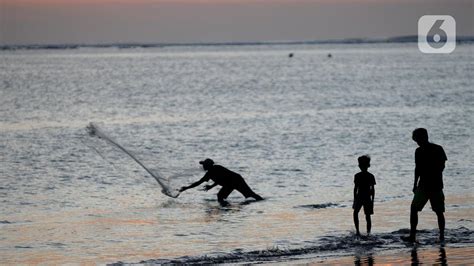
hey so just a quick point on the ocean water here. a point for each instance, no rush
(293, 127)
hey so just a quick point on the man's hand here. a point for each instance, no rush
(207, 187)
(182, 189)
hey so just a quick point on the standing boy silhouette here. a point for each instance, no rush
(364, 193)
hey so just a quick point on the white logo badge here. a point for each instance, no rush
(436, 34)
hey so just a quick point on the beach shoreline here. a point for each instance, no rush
(436, 254)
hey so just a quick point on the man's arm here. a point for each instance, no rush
(444, 158)
(417, 176)
(195, 184)
(206, 188)
(417, 170)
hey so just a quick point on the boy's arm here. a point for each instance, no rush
(372, 193)
(417, 175)
(355, 194)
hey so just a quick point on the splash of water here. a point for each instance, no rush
(95, 131)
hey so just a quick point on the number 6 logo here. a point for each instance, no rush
(436, 34)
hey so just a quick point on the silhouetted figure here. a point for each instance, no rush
(364, 193)
(224, 177)
(329, 55)
(290, 55)
(429, 165)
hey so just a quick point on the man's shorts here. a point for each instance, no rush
(421, 197)
(240, 185)
(367, 203)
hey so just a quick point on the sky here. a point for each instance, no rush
(195, 21)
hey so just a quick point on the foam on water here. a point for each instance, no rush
(319, 206)
(325, 246)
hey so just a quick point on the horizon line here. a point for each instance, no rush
(118, 44)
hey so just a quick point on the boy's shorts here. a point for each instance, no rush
(368, 206)
(421, 197)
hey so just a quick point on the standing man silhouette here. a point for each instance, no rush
(429, 165)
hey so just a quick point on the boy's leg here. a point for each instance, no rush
(368, 210)
(356, 222)
(369, 223)
(357, 207)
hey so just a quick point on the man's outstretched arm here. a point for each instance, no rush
(206, 188)
(195, 184)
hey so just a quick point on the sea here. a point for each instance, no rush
(291, 119)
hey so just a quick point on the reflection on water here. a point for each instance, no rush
(442, 257)
(364, 260)
(429, 257)
(417, 256)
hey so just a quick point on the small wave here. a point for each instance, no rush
(5, 222)
(319, 206)
(324, 245)
(57, 244)
(288, 170)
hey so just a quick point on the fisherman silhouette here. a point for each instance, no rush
(429, 165)
(224, 177)
(364, 193)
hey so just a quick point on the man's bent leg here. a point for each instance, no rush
(223, 194)
(245, 190)
(256, 196)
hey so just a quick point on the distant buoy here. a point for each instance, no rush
(290, 55)
(329, 55)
